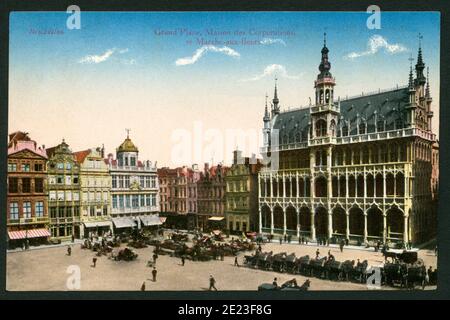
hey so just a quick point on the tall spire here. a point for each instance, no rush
(410, 82)
(266, 111)
(325, 65)
(275, 100)
(427, 90)
(420, 65)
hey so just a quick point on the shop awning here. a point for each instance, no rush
(96, 224)
(28, 234)
(216, 218)
(152, 220)
(124, 222)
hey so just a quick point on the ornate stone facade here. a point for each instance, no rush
(359, 168)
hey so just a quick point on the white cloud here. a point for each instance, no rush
(269, 41)
(272, 69)
(202, 51)
(105, 56)
(375, 43)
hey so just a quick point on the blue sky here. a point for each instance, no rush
(116, 67)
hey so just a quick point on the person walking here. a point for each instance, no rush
(341, 245)
(69, 250)
(317, 253)
(94, 262)
(155, 256)
(281, 240)
(182, 260)
(154, 272)
(73, 238)
(236, 261)
(143, 286)
(212, 283)
(275, 283)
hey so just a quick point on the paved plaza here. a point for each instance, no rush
(47, 269)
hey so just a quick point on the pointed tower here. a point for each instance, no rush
(410, 115)
(275, 100)
(266, 128)
(420, 67)
(428, 100)
(325, 82)
(325, 113)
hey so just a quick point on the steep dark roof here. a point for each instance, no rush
(390, 106)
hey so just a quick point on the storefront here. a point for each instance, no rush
(98, 228)
(216, 223)
(125, 224)
(20, 238)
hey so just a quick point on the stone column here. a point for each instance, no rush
(330, 224)
(405, 229)
(260, 220)
(271, 185)
(271, 220)
(296, 182)
(284, 185)
(385, 235)
(365, 227)
(284, 221)
(313, 228)
(347, 230)
(298, 222)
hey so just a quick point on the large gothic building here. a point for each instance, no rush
(359, 168)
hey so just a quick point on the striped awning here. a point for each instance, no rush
(95, 224)
(153, 220)
(124, 222)
(28, 234)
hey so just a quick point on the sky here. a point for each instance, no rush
(187, 84)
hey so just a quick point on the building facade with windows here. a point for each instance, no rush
(241, 211)
(27, 219)
(63, 192)
(360, 168)
(134, 189)
(211, 189)
(178, 195)
(95, 193)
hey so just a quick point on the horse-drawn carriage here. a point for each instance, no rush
(317, 267)
(395, 273)
(126, 254)
(278, 262)
(290, 285)
(333, 269)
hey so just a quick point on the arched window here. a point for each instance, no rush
(333, 128)
(321, 128)
(321, 96)
(327, 95)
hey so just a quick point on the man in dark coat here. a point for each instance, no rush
(154, 272)
(212, 283)
(94, 261)
(236, 263)
(182, 260)
(69, 250)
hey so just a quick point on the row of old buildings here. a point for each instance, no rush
(364, 168)
(54, 193)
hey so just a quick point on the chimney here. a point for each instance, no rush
(103, 151)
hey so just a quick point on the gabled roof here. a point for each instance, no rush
(81, 155)
(30, 145)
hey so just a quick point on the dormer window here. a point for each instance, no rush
(133, 161)
(362, 128)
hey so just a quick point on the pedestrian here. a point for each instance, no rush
(289, 238)
(259, 248)
(281, 240)
(306, 240)
(94, 261)
(303, 240)
(182, 260)
(212, 283)
(299, 240)
(275, 283)
(435, 250)
(346, 241)
(155, 256)
(341, 245)
(69, 250)
(236, 261)
(285, 238)
(143, 286)
(317, 253)
(154, 272)
(73, 238)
